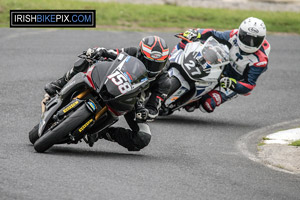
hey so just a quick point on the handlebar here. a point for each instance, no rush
(180, 35)
(91, 59)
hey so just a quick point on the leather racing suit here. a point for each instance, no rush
(245, 68)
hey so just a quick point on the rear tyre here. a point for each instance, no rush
(34, 134)
(60, 132)
(175, 84)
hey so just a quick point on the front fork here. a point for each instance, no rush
(79, 132)
(93, 127)
(100, 112)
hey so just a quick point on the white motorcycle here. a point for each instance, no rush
(194, 72)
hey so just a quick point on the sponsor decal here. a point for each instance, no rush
(92, 105)
(253, 30)
(217, 98)
(261, 64)
(70, 106)
(235, 42)
(144, 79)
(156, 55)
(120, 57)
(174, 98)
(128, 76)
(85, 125)
(207, 105)
(128, 58)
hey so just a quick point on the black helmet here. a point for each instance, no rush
(154, 53)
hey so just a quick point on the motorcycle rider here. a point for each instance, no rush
(153, 52)
(248, 51)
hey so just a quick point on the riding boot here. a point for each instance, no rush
(54, 87)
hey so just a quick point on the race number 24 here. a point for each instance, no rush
(121, 81)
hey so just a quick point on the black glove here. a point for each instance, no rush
(96, 53)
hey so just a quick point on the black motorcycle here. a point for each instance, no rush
(90, 102)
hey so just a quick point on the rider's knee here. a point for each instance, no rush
(142, 138)
(210, 101)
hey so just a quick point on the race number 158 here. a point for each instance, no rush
(121, 81)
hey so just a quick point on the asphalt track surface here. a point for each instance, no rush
(191, 155)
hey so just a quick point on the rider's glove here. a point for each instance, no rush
(192, 35)
(141, 114)
(95, 53)
(228, 83)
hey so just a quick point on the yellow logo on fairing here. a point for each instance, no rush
(70, 106)
(85, 125)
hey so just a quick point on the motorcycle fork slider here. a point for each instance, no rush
(100, 113)
(82, 94)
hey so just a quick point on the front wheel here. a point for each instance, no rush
(34, 134)
(59, 133)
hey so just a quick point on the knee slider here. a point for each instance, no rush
(210, 101)
(142, 138)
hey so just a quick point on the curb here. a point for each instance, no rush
(248, 144)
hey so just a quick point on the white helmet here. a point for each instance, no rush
(252, 33)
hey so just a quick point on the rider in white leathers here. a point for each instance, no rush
(249, 51)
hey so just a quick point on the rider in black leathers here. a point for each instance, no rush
(153, 52)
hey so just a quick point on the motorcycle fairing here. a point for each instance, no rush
(181, 90)
(185, 70)
(176, 56)
(188, 61)
(121, 82)
(79, 81)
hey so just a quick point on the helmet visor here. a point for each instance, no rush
(153, 67)
(249, 40)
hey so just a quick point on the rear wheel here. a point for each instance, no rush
(62, 130)
(34, 134)
(175, 84)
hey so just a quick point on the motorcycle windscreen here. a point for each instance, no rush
(214, 53)
(125, 83)
(127, 77)
(199, 59)
(193, 68)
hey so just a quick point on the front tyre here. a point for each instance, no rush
(34, 134)
(62, 130)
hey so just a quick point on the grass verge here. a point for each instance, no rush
(158, 17)
(296, 143)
